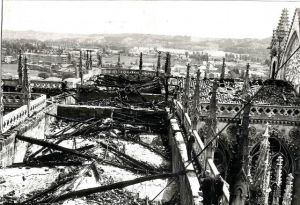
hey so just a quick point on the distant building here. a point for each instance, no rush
(46, 58)
(8, 59)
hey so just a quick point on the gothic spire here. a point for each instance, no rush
(287, 197)
(80, 67)
(197, 91)
(223, 70)
(119, 61)
(26, 87)
(246, 86)
(25, 76)
(244, 138)
(168, 64)
(87, 60)
(187, 87)
(158, 63)
(211, 121)
(141, 62)
(99, 58)
(90, 60)
(283, 25)
(20, 74)
(278, 181)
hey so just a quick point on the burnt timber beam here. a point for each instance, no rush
(53, 146)
(118, 185)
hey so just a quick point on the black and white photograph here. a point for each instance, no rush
(150, 102)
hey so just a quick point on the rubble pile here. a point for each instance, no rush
(122, 91)
(273, 92)
(108, 153)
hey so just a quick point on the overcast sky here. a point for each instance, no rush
(226, 19)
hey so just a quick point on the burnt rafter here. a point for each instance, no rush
(118, 185)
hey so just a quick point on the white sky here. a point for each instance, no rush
(225, 19)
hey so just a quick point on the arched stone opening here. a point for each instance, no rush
(222, 157)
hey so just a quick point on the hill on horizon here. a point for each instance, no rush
(256, 48)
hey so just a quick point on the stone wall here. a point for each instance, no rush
(84, 112)
(198, 146)
(13, 150)
(188, 184)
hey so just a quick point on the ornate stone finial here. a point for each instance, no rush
(207, 67)
(26, 87)
(187, 87)
(141, 62)
(75, 68)
(266, 133)
(25, 76)
(205, 75)
(87, 60)
(158, 63)
(278, 181)
(283, 25)
(99, 58)
(197, 92)
(287, 197)
(168, 64)
(119, 60)
(20, 68)
(80, 68)
(260, 178)
(213, 100)
(211, 121)
(223, 70)
(246, 86)
(90, 60)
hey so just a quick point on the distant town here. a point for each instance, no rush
(58, 58)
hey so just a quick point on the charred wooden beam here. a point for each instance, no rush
(53, 146)
(118, 185)
(46, 191)
(138, 163)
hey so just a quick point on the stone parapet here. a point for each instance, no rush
(258, 113)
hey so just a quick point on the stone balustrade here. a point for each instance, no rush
(257, 112)
(116, 71)
(12, 99)
(17, 116)
(46, 84)
(198, 146)
(16, 99)
(12, 82)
